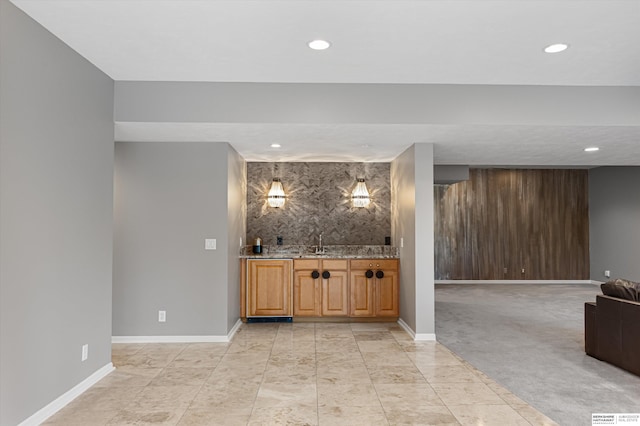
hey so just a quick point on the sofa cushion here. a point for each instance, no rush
(622, 289)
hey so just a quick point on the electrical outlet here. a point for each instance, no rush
(85, 352)
(505, 270)
(522, 270)
(607, 273)
(210, 244)
(162, 316)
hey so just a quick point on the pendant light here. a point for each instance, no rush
(276, 195)
(360, 195)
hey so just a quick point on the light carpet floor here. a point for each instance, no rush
(530, 339)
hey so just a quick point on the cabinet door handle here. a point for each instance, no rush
(315, 274)
(326, 274)
(379, 274)
(369, 274)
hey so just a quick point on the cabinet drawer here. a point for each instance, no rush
(299, 264)
(386, 264)
(334, 264)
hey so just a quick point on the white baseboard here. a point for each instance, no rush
(169, 339)
(414, 336)
(517, 282)
(406, 328)
(425, 337)
(64, 399)
(233, 330)
(179, 339)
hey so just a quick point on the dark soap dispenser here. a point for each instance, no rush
(257, 246)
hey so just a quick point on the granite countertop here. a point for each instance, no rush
(330, 252)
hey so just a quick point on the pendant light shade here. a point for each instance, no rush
(276, 195)
(360, 195)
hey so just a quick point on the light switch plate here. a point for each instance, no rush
(85, 352)
(210, 244)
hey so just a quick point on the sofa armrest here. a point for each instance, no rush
(590, 330)
(612, 330)
(630, 334)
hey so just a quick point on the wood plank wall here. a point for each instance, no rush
(501, 222)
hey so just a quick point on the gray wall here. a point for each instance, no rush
(614, 222)
(412, 221)
(318, 201)
(169, 197)
(236, 228)
(424, 246)
(56, 207)
(403, 225)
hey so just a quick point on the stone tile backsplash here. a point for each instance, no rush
(319, 201)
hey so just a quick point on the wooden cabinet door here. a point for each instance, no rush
(243, 288)
(335, 294)
(269, 288)
(361, 300)
(386, 294)
(306, 294)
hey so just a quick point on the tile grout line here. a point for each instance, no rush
(428, 382)
(204, 382)
(375, 389)
(315, 349)
(253, 407)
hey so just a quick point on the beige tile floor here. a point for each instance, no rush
(297, 374)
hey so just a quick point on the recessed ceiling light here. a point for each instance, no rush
(275, 145)
(592, 149)
(556, 48)
(319, 44)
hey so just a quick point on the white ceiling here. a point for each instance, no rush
(481, 42)
(454, 42)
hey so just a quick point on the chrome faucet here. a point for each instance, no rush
(320, 248)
